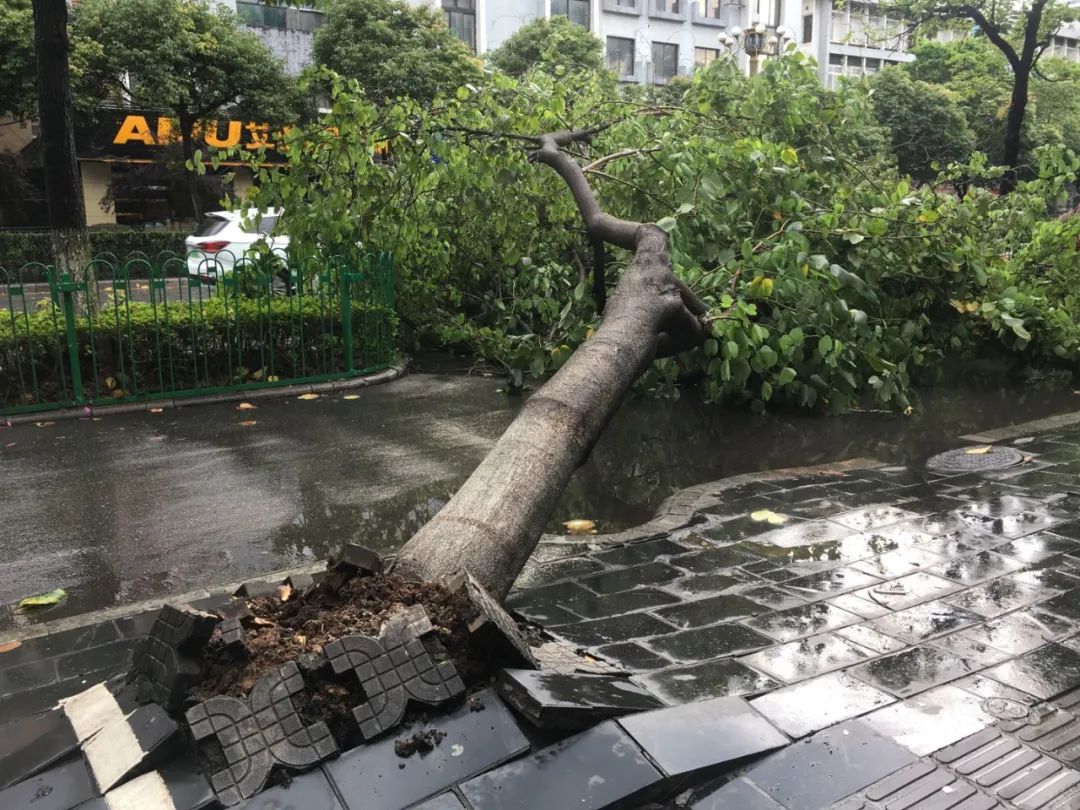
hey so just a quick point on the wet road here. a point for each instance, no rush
(138, 506)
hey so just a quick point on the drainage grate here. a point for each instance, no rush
(965, 460)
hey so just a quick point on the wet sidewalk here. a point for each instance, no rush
(899, 637)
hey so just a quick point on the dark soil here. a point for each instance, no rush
(422, 741)
(297, 628)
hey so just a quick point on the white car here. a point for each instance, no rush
(224, 237)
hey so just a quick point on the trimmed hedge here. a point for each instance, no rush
(22, 247)
(215, 344)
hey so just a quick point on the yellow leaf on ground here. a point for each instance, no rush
(308, 396)
(978, 451)
(284, 592)
(118, 393)
(258, 375)
(44, 424)
(351, 396)
(245, 406)
(580, 526)
(156, 410)
(259, 621)
(43, 599)
(768, 516)
(110, 383)
(247, 423)
(11, 645)
(273, 378)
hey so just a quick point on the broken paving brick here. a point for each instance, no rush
(166, 665)
(394, 668)
(260, 732)
(555, 700)
(493, 630)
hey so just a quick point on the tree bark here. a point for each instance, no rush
(63, 183)
(1014, 126)
(492, 524)
(187, 140)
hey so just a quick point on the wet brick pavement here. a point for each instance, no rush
(925, 625)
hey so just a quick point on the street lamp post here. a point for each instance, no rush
(756, 41)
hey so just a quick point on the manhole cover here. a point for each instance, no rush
(976, 459)
(1005, 709)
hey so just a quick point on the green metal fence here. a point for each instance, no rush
(174, 326)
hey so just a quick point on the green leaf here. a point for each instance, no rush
(825, 346)
(667, 224)
(787, 374)
(789, 156)
(53, 597)
(711, 347)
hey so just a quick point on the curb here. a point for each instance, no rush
(1023, 429)
(387, 375)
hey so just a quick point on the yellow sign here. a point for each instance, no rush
(135, 129)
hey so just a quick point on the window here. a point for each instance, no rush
(576, 10)
(766, 11)
(620, 55)
(665, 57)
(461, 17)
(705, 56)
(709, 9)
(808, 27)
(256, 15)
(670, 6)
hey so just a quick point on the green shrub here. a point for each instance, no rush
(137, 349)
(18, 248)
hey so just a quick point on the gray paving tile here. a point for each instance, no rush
(717, 678)
(996, 598)
(62, 787)
(1038, 547)
(702, 736)
(810, 776)
(557, 700)
(739, 794)
(866, 636)
(702, 643)
(869, 518)
(794, 623)
(617, 628)
(930, 721)
(1045, 672)
(599, 607)
(898, 563)
(798, 660)
(858, 605)
(913, 671)
(924, 621)
(592, 770)
(818, 703)
(905, 592)
(830, 583)
(623, 579)
(377, 778)
(1012, 526)
(974, 651)
(978, 567)
(805, 534)
(725, 607)
(633, 656)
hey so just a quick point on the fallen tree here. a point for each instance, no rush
(493, 522)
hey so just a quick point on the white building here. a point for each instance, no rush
(651, 41)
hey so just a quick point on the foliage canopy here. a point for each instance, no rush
(829, 276)
(392, 49)
(548, 44)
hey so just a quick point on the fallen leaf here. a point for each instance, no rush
(97, 418)
(43, 599)
(247, 423)
(11, 645)
(579, 526)
(308, 396)
(156, 410)
(768, 516)
(284, 592)
(978, 451)
(259, 621)
(245, 406)
(258, 375)
(351, 396)
(110, 383)
(10, 444)
(273, 378)
(1027, 459)
(118, 393)
(44, 424)
(908, 411)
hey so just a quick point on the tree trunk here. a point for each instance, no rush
(492, 524)
(63, 183)
(187, 140)
(1014, 126)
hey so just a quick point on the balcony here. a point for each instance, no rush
(669, 9)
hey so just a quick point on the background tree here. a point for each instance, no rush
(926, 124)
(187, 57)
(548, 43)
(63, 183)
(18, 94)
(393, 49)
(1021, 32)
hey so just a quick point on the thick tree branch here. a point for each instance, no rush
(993, 35)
